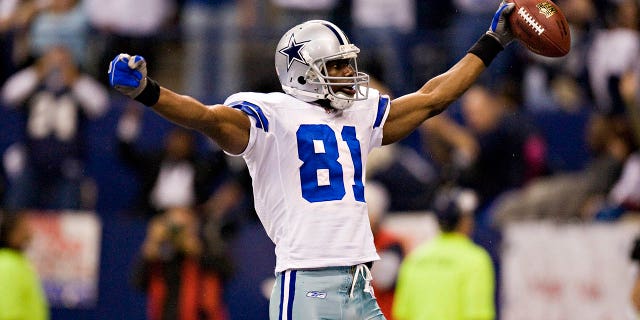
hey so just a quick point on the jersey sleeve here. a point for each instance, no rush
(382, 111)
(255, 110)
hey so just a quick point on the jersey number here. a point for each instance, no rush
(321, 174)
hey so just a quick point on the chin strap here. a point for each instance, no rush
(339, 103)
(362, 270)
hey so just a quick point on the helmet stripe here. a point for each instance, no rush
(341, 37)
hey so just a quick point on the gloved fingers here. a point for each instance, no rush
(504, 9)
(126, 81)
(124, 69)
(508, 7)
(122, 75)
(135, 62)
(123, 57)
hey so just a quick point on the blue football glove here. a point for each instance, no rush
(499, 28)
(128, 74)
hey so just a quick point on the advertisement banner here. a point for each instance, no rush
(65, 250)
(566, 272)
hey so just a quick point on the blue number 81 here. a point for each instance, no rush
(318, 150)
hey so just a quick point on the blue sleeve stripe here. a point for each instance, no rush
(253, 111)
(382, 107)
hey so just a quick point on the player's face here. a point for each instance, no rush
(341, 68)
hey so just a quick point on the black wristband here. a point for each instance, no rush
(150, 94)
(486, 48)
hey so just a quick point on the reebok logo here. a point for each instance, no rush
(316, 294)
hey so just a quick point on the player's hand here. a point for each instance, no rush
(499, 28)
(128, 74)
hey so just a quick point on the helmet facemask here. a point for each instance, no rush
(358, 82)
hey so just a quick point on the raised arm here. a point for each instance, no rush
(409, 111)
(228, 127)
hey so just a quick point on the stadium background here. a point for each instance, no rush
(603, 247)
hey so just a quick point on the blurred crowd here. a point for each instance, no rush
(536, 138)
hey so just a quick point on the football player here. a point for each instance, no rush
(306, 150)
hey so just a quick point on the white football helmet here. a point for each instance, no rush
(301, 58)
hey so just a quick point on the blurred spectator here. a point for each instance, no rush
(468, 23)
(412, 174)
(231, 210)
(382, 29)
(58, 101)
(410, 179)
(214, 28)
(388, 245)
(180, 275)
(574, 196)
(548, 85)
(451, 146)
(627, 94)
(60, 23)
(563, 125)
(429, 46)
(21, 294)
(127, 26)
(177, 175)
(629, 91)
(511, 151)
(231, 204)
(449, 277)
(15, 20)
(614, 51)
(544, 78)
(626, 192)
(30, 28)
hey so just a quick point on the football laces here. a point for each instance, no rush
(530, 21)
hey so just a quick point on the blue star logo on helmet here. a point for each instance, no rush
(292, 51)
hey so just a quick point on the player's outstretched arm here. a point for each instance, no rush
(228, 127)
(409, 111)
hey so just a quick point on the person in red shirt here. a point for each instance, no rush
(180, 274)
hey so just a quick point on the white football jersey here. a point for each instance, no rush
(308, 171)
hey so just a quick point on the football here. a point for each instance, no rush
(541, 26)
